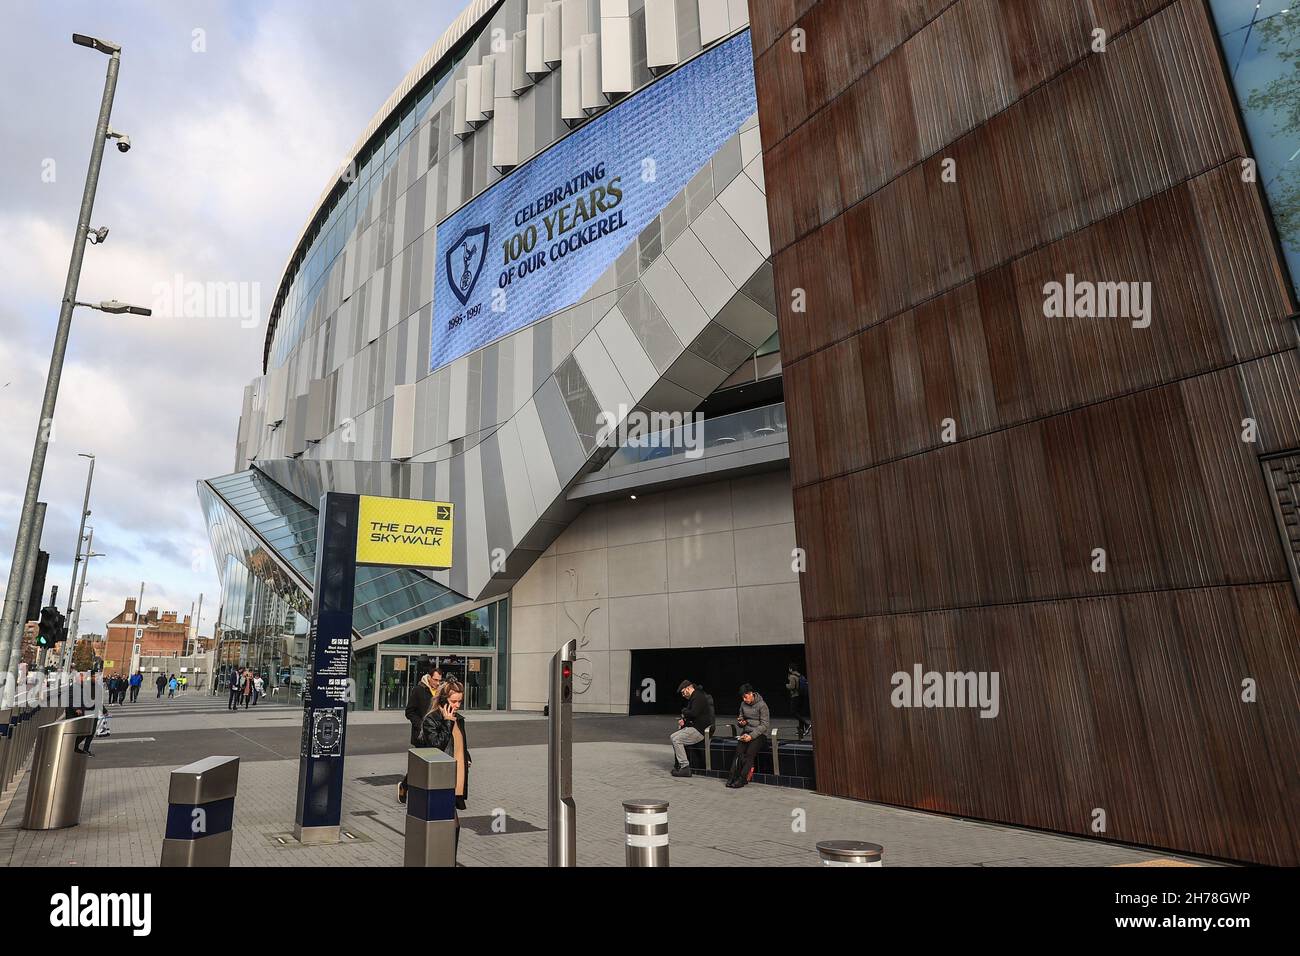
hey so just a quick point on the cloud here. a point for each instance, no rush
(230, 149)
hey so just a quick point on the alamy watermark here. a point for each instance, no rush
(182, 299)
(632, 426)
(946, 689)
(1084, 299)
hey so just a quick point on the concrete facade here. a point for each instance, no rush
(707, 565)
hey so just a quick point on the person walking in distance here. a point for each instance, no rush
(796, 686)
(697, 717)
(258, 685)
(444, 729)
(136, 680)
(233, 702)
(418, 705)
(754, 721)
(161, 684)
(247, 687)
(172, 684)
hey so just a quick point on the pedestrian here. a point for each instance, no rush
(418, 705)
(796, 686)
(76, 708)
(258, 685)
(161, 684)
(754, 721)
(247, 686)
(184, 682)
(136, 680)
(697, 717)
(233, 678)
(172, 684)
(443, 729)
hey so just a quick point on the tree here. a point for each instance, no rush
(1280, 96)
(83, 656)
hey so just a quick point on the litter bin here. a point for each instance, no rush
(58, 775)
(850, 853)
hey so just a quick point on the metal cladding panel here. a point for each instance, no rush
(553, 38)
(474, 94)
(617, 73)
(488, 85)
(535, 46)
(715, 20)
(592, 97)
(518, 59)
(460, 125)
(314, 424)
(571, 83)
(663, 44)
(505, 133)
(403, 433)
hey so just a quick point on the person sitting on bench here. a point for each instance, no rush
(754, 721)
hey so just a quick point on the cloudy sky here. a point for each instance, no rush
(238, 114)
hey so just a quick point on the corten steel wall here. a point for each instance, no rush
(1121, 690)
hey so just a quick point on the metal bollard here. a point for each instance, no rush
(430, 808)
(7, 745)
(58, 775)
(201, 813)
(850, 853)
(708, 748)
(776, 754)
(646, 826)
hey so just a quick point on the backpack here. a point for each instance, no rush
(803, 686)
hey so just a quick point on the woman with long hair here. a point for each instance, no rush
(444, 728)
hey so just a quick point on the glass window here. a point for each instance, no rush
(472, 629)
(1261, 44)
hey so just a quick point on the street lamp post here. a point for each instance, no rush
(10, 618)
(65, 664)
(74, 613)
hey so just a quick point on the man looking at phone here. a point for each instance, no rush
(754, 721)
(697, 717)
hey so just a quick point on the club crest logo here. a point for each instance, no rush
(465, 261)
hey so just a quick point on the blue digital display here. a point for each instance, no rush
(535, 242)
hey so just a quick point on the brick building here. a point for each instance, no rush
(161, 634)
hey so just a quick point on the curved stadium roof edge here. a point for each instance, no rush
(465, 22)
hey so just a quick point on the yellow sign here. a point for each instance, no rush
(404, 532)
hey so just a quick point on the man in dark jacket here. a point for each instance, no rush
(418, 705)
(754, 722)
(697, 717)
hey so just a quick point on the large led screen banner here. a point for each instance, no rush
(536, 241)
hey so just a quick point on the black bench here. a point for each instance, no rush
(797, 766)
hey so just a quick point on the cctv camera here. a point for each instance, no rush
(124, 144)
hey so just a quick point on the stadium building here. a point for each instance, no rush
(559, 213)
(1019, 276)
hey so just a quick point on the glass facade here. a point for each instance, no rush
(473, 647)
(1261, 45)
(264, 540)
(750, 424)
(234, 504)
(339, 215)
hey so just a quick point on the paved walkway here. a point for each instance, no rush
(125, 808)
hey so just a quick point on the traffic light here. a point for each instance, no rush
(52, 627)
